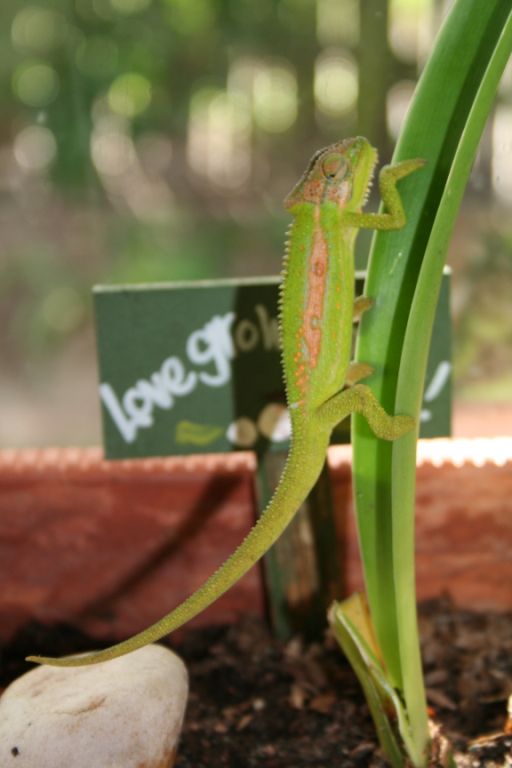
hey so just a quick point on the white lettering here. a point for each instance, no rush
(213, 344)
(436, 386)
(439, 379)
(156, 390)
(138, 404)
(173, 376)
(246, 335)
(126, 426)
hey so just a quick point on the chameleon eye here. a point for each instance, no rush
(334, 166)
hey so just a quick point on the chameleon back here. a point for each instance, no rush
(318, 276)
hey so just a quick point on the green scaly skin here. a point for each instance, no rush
(317, 309)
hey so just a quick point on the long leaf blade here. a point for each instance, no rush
(459, 75)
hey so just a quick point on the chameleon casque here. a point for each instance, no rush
(317, 310)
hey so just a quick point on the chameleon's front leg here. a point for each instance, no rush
(360, 399)
(356, 372)
(394, 218)
(361, 305)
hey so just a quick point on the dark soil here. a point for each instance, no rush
(257, 702)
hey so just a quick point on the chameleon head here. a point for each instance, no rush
(340, 173)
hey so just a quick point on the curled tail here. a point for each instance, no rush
(300, 474)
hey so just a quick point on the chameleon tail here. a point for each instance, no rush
(300, 474)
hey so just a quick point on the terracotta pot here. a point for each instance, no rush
(112, 546)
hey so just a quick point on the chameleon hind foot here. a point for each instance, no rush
(360, 399)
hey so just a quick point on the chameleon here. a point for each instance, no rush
(317, 308)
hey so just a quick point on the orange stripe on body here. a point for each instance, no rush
(317, 279)
(309, 334)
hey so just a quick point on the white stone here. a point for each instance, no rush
(124, 713)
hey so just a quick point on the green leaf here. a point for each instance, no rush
(381, 698)
(452, 101)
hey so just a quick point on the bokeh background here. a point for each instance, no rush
(146, 140)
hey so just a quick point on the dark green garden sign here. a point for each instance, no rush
(195, 367)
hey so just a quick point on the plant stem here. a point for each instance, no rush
(452, 101)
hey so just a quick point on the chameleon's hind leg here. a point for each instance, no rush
(360, 399)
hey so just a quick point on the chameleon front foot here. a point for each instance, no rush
(394, 217)
(361, 305)
(356, 372)
(390, 174)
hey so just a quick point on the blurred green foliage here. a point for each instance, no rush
(144, 57)
(483, 333)
(159, 125)
(145, 140)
